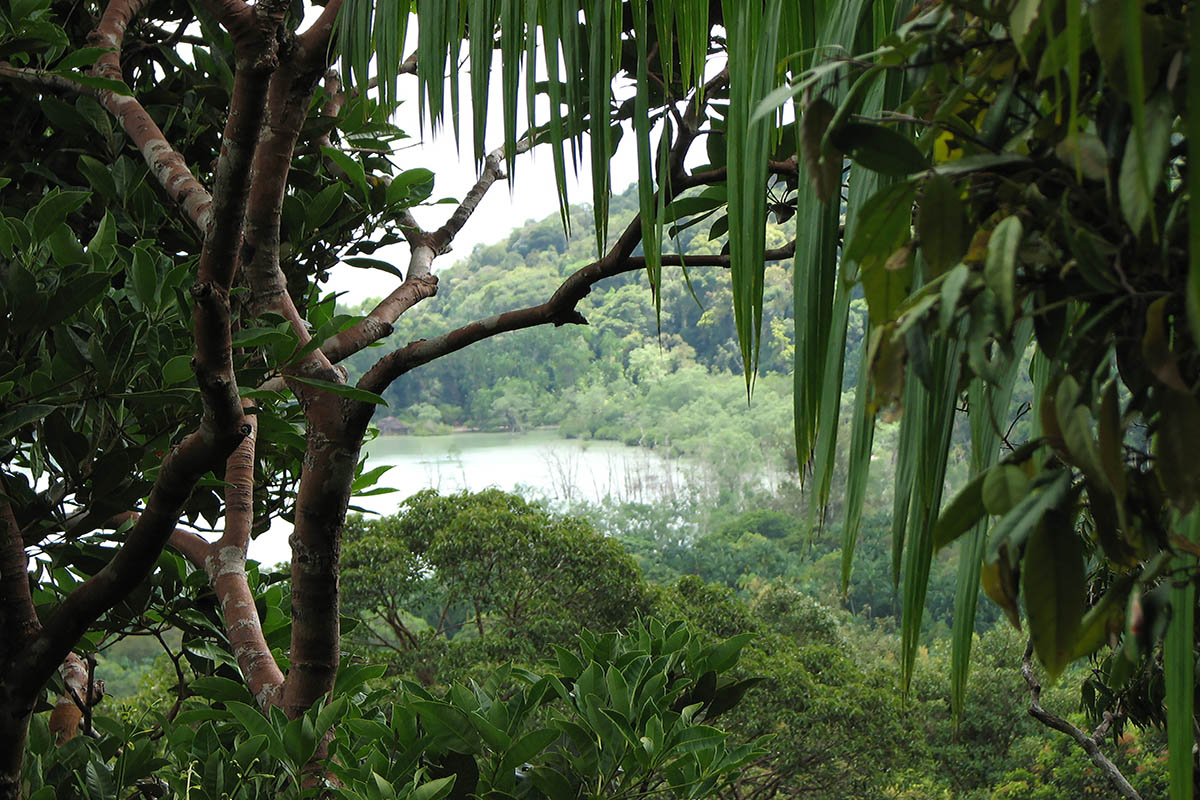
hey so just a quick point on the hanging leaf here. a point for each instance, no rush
(1000, 269)
(942, 225)
(1053, 580)
(1142, 163)
(999, 578)
(1003, 487)
(878, 148)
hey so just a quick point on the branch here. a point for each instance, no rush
(723, 260)
(559, 310)
(40, 79)
(167, 166)
(492, 171)
(226, 567)
(419, 282)
(193, 547)
(1088, 743)
(255, 39)
(18, 618)
(221, 430)
(319, 35)
(789, 167)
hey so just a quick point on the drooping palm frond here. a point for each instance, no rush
(989, 406)
(753, 40)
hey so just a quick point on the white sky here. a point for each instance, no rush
(533, 195)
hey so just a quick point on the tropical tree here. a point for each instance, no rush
(488, 564)
(182, 178)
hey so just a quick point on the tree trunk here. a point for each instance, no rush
(14, 728)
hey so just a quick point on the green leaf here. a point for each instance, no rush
(433, 790)
(942, 224)
(374, 263)
(1179, 668)
(300, 741)
(83, 57)
(22, 416)
(351, 677)
(528, 746)
(329, 714)
(1142, 163)
(726, 654)
(1097, 622)
(886, 283)
(351, 168)
(822, 163)
(104, 84)
(961, 514)
(144, 276)
(177, 370)
(99, 779)
(52, 210)
(879, 149)
(1054, 581)
(255, 723)
(1003, 487)
(221, 689)
(880, 227)
(1000, 269)
(753, 42)
(1049, 490)
(1193, 177)
(323, 204)
(98, 176)
(341, 390)
(1021, 21)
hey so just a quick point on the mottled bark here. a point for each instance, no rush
(226, 566)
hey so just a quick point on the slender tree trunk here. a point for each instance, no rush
(18, 624)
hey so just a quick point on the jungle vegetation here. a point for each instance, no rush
(990, 176)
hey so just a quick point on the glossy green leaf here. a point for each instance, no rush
(1179, 672)
(1003, 487)
(961, 514)
(350, 167)
(1192, 292)
(434, 790)
(324, 203)
(1049, 490)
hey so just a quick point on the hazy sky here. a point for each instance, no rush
(533, 195)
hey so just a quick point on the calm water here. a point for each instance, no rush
(537, 463)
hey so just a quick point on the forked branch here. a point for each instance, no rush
(1088, 742)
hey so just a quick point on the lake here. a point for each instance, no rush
(536, 463)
